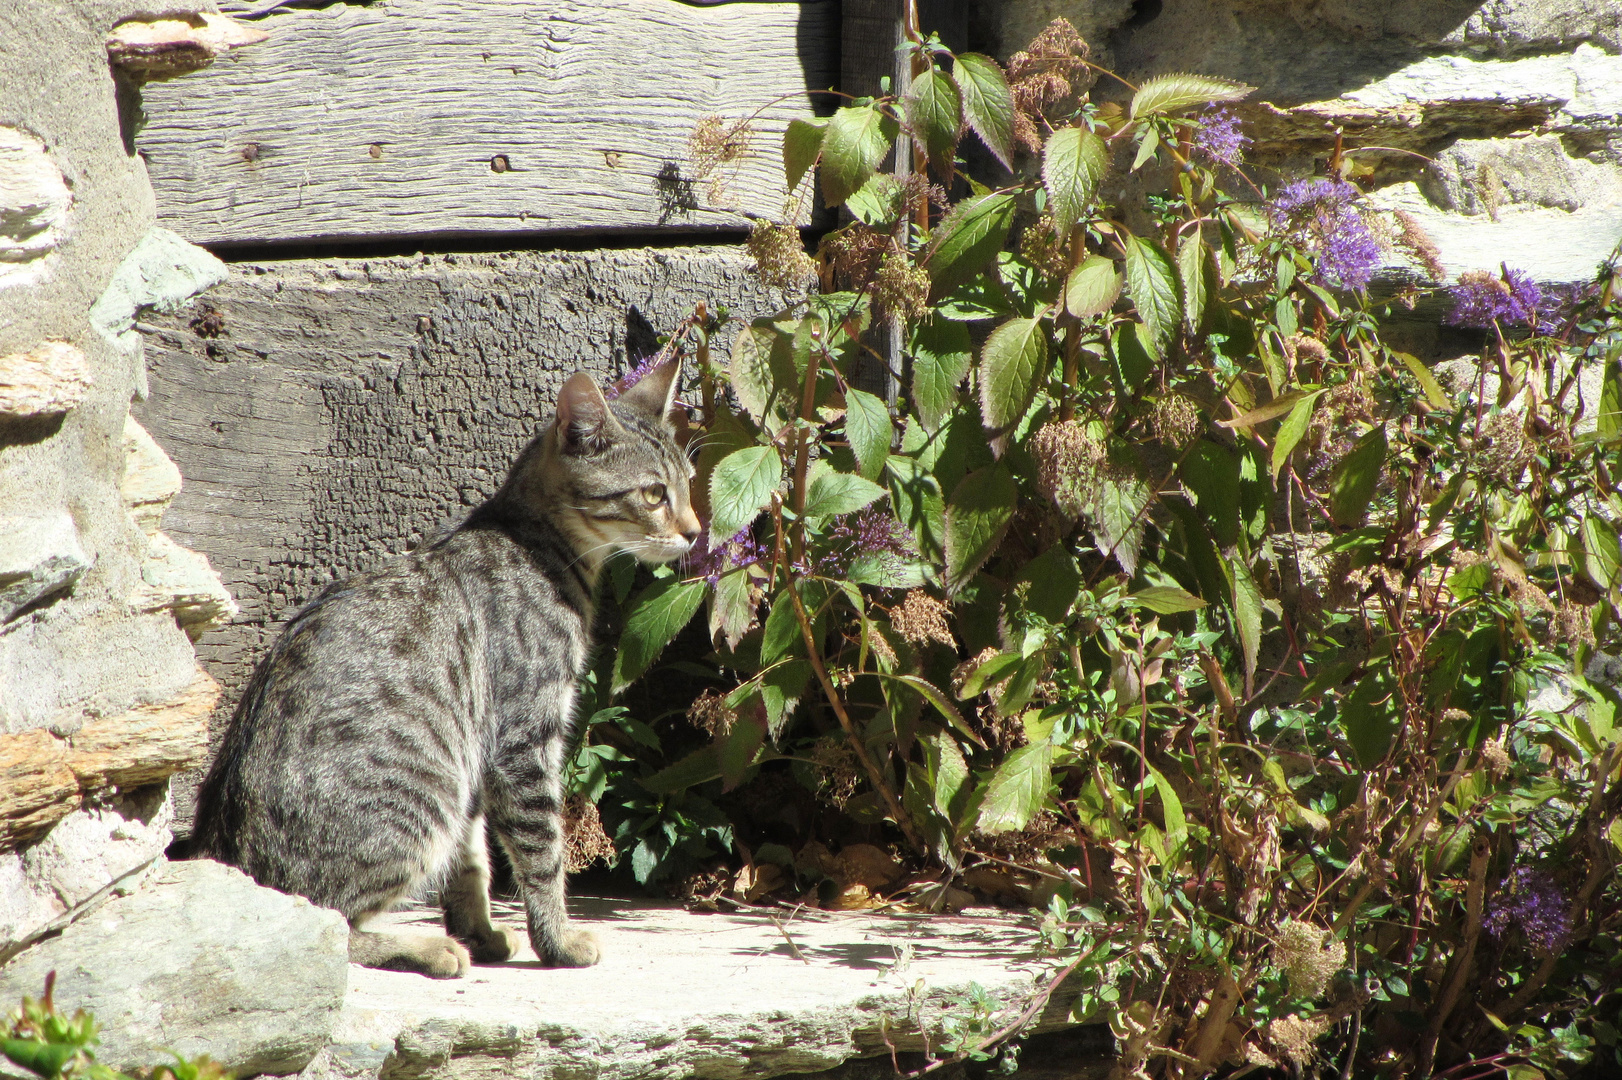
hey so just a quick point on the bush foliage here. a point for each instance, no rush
(1163, 592)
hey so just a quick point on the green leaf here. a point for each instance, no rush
(781, 634)
(1608, 421)
(1168, 93)
(936, 697)
(977, 515)
(1167, 599)
(1093, 287)
(1369, 715)
(1118, 520)
(835, 493)
(868, 429)
(732, 608)
(1211, 474)
(1427, 382)
(1269, 411)
(1352, 484)
(1292, 430)
(935, 112)
(1247, 604)
(656, 616)
(855, 141)
(980, 297)
(699, 767)
(941, 356)
(760, 354)
(802, 143)
(1171, 809)
(40, 1058)
(1012, 364)
(740, 488)
(1055, 583)
(1073, 164)
(1151, 282)
(1195, 272)
(1602, 555)
(1018, 789)
(780, 691)
(880, 201)
(988, 105)
(736, 750)
(948, 773)
(969, 238)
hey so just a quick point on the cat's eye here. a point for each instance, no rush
(653, 494)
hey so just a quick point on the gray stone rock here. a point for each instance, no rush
(1510, 27)
(200, 960)
(39, 556)
(151, 480)
(182, 581)
(47, 380)
(683, 994)
(34, 205)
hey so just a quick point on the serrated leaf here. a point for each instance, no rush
(855, 141)
(1073, 164)
(941, 357)
(1269, 411)
(802, 144)
(1168, 93)
(699, 767)
(1012, 363)
(1171, 809)
(1093, 288)
(1247, 604)
(1608, 420)
(936, 697)
(1195, 273)
(969, 238)
(781, 633)
(732, 607)
(869, 430)
(1151, 282)
(1018, 789)
(978, 298)
(1118, 520)
(656, 616)
(781, 689)
(1292, 430)
(835, 493)
(735, 751)
(1602, 554)
(880, 201)
(740, 488)
(977, 515)
(1167, 599)
(1369, 715)
(988, 105)
(948, 772)
(935, 113)
(1352, 484)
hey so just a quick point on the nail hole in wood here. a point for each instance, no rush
(499, 163)
(375, 150)
(250, 151)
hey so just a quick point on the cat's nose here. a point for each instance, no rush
(687, 524)
(690, 534)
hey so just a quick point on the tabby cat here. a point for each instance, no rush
(403, 708)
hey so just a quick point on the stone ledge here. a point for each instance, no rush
(680, 994)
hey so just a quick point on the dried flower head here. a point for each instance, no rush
(1323, 217)
(716, 141)
(1047, 72)
(585, 842)
(1493, 754)
(1219, 139)
(1503, 451)
(1299, 347)
(1294, 1038)
(920, 191)
(1176, 420)
(1068, 461)
(710, 713)
(855, 252)
(1309, 957)
(961, 673)
(1483, 299)
(1039, 246)
(780, 258)
(1412, 238)
(1531, 900)
(881, 647)
(1573, 624)
(840, 771)
(901, 287)
(920, 618)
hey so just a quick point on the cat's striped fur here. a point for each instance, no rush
(402, 708)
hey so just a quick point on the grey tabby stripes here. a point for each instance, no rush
(403, 708)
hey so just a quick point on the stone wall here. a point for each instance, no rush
(101, 697)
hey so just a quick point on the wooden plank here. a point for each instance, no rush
(392, 120)
(350, 408)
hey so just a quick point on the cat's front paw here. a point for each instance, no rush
(578, 948)
(496, 946)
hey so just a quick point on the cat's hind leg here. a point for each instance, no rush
(466, 900)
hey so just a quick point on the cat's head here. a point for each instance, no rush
(625, 474)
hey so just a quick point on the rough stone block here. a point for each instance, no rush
(199, 960)
(45, 381)
(34, 207)
(39, 556)
(183, 582)
(151, 480)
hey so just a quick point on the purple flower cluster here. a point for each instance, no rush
(635, 375)
(1482, 299)
(869, 532)
(710, 563)
(1323, 217)
(1531, 900)
(1219, 139)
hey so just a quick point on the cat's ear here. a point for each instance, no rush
(655, 392)
(584, 423)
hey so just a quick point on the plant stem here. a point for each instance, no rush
(802, 447)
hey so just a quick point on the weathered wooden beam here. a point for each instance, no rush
(447, 118)
(45, 777)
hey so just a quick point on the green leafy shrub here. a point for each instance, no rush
(1167, 594)
(39, 1037)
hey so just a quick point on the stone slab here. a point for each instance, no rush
(685, 994)
(199, 960)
